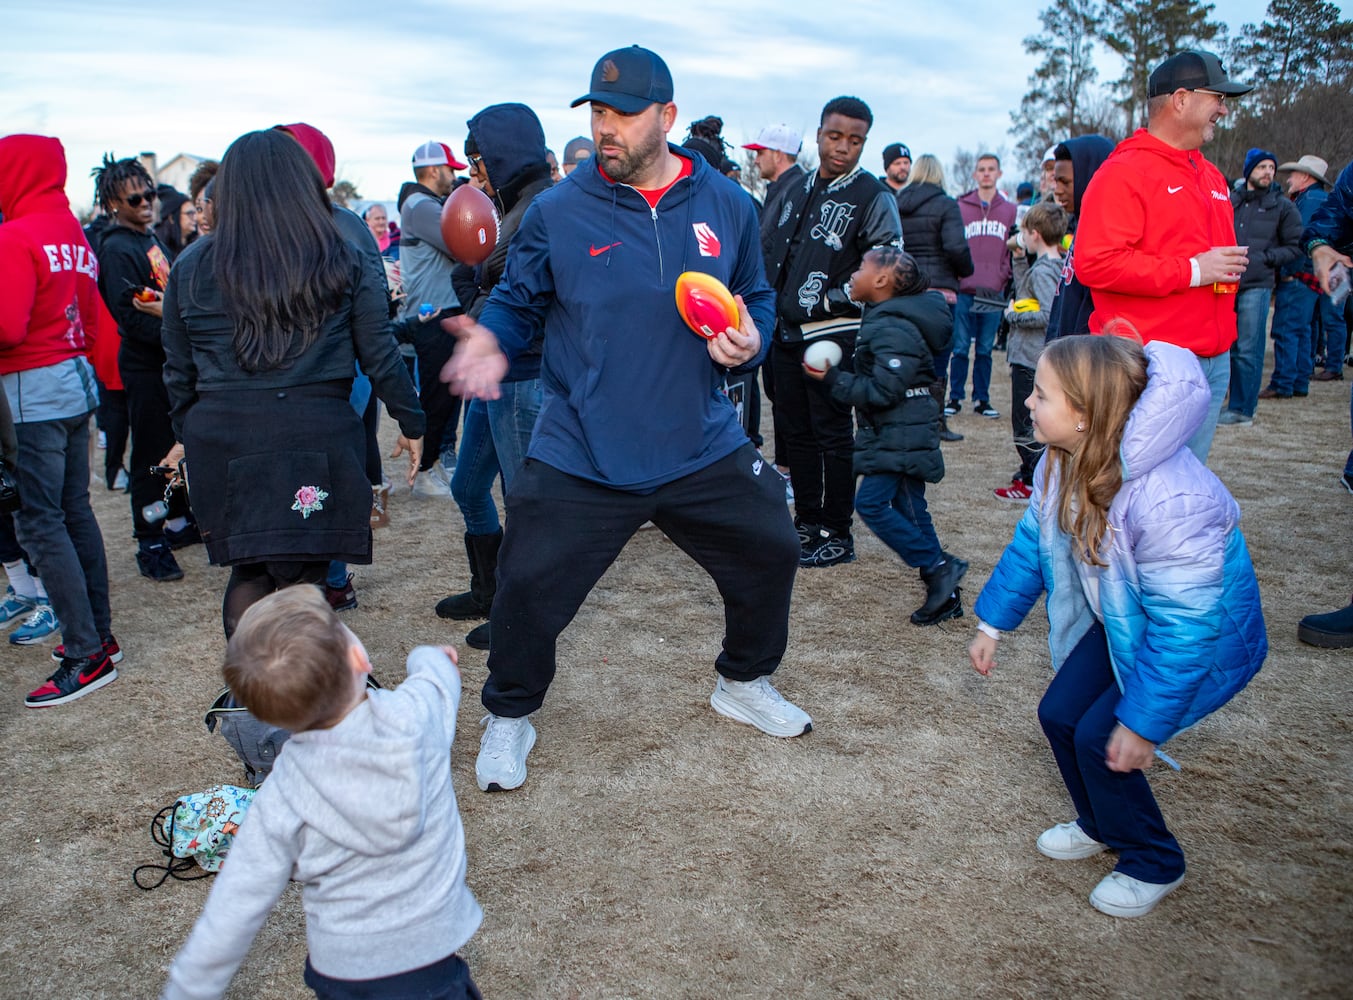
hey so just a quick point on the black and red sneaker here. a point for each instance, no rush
(110, 648)
(75, 678)
(342, 598)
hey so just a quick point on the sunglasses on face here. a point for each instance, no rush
(134, 200)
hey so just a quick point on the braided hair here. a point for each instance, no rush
(109, 178)
(908, 278)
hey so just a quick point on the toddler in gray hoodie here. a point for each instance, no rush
(359, 809)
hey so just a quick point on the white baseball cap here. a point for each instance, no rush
(781, 137)
(436, 154)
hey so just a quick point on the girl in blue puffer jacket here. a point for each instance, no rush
(1153, 606)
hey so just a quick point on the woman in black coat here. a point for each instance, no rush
(264, 320)
(932, 232)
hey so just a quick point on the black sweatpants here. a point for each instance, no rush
(819, 437)
(564, 532)
(152, 437)
(1028, 447)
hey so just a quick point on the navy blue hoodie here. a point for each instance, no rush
(632, 398)
(1073, 305)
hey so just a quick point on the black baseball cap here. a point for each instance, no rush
(629, 80)
(893, 151)
(1193, 70)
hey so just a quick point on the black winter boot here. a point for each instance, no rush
(482, 552)
(479, 636)
(937, 392)
(941, 591)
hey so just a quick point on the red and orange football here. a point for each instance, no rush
(469, 225)
(705, 305)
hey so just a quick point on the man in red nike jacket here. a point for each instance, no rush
(1155, 241)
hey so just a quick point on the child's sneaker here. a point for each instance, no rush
(342, 598)
(952, 408)
(15, 606)
(37, 626)
(1017, 492)
(73, 679)
(110, 649)
(984, 409)
(1121, 895)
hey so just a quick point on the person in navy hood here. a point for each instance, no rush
(633, 426)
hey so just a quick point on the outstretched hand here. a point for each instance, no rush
(982, 653)
(736, 347)
(477, 365)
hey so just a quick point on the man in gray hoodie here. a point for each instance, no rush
(359, 809)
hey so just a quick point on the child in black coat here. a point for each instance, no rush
(897, 445)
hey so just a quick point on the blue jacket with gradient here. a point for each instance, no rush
(1179, 598)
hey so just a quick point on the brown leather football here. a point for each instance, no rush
(469, 225)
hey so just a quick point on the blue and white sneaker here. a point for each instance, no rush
(36, 627)
(15, 606)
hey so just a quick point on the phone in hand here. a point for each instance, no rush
(1339, 285)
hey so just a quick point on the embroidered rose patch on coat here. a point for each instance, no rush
(309, 499)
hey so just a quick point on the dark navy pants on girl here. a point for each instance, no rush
(1077, 715)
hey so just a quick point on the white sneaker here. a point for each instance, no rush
(501, 764)
(431, 484)
(758, 704)
(1068, 842)
(1121, 895)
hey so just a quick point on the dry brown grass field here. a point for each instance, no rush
(658, 850)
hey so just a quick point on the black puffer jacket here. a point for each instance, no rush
(932, 232)
(1270, 225)
(899, 427)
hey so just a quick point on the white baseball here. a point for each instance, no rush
(822, 355)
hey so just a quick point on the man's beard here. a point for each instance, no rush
(632, 162)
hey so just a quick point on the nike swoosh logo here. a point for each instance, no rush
(1174, 190)
(598, 251)
(85, 678)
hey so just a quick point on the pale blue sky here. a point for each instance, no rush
(381, 78)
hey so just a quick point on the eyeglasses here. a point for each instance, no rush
(134, 200)
(1221, 98)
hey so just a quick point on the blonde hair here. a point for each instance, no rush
(287, 661)
(1102, 377)
(926, 170)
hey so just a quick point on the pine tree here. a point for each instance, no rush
(1060, 102)
(1144, 33)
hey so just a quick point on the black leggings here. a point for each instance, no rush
(251, 582)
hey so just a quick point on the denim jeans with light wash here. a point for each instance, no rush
(1293, 311)
(1217, 371)
(893, 506)
(57, 529)
(1247, 356)
(476, 469)
(970, 326)
(512, 418)
(1332, 336)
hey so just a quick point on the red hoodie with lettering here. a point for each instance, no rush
(48, 310)
(1147, 211)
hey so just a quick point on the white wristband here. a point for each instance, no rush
(986, 629)
(1197, 278)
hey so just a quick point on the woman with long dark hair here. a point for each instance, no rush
(263, 321)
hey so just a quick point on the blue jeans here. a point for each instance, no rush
(893, 506)
(1077, 716)
(1217, 371)
(1348, 464)
(1333, 335)
(1293, 312)
(969, 325)
(512, 418)
(56, 527)
(476, 469)
(1247, 356)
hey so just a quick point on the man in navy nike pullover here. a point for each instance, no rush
(633, 426)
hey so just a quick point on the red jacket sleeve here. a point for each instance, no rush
(1114, 233)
